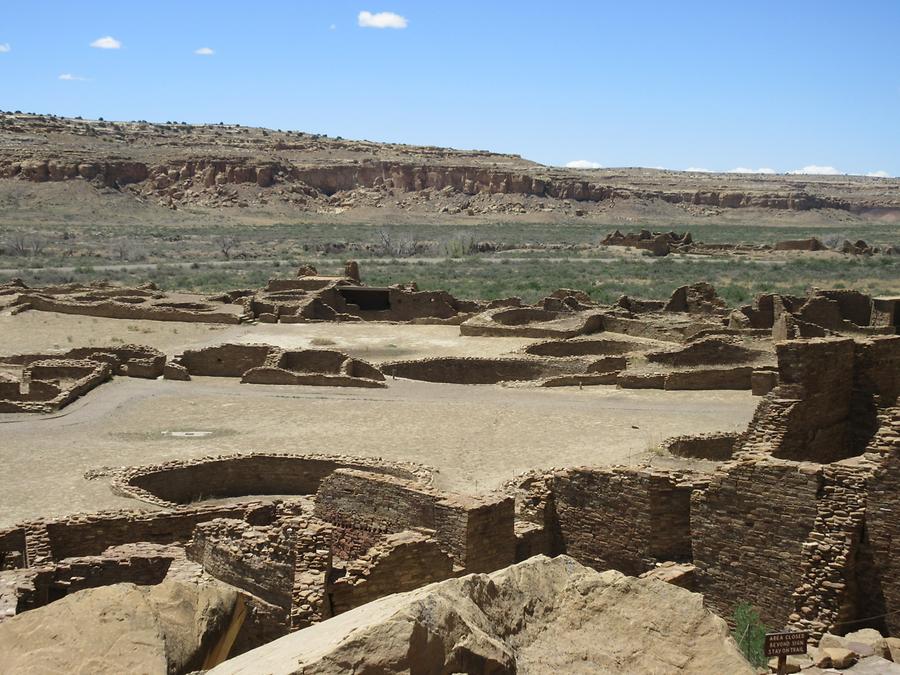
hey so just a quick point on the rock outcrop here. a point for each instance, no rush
(123, 628)
(176, 165)
(540, 616)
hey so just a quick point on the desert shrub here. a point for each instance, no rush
(750, 634)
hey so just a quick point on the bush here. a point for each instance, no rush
(750, 634)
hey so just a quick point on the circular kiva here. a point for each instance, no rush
(182, 482)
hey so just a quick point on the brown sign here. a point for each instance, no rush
(785, 644)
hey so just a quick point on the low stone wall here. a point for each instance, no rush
(532, 322)
(111, 309)
(50, 382)
(91, 534)
(716, 446)
(228, 360)
(81, 377)
(265, 364)
(624, 519)
(738, 378)
(142, 564)
(398, 563)
(710, 350)
(185, 481)
(585, 347)
(478, 532)
(467, 370)
(710, 378)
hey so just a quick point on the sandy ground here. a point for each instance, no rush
(475, 436)
(377, 342)
(47, 331)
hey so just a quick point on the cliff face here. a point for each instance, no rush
(181, 164)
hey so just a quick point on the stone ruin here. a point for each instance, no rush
(48, 382)
(264, 364)
(663, 243)
(693, 341)
(800, 516)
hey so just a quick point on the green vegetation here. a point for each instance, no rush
(205, 259)
(750, 634)
(737, 279)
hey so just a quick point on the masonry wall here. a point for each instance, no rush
(12, 548)
(466, 370)
(259, 560)
(477, 532)
(121, 310)
(748, 529)
(91, 534)
(229, 360)
(624, 519)
(816, 376)
(182, 482)
(399, 563)
(883, 527)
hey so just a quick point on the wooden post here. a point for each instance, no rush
(782, 665)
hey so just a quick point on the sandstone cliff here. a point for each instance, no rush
(213, 166)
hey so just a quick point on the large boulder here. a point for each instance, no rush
(123, 628)
(540, 616)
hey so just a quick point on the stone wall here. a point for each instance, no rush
(620, 518)
(259, 560)
(710, 378)
(229, 360)
(396, 564)
(748, 530)
(715, 446)
(112, 309)
(186, 481)
(815, 386)
(91, 534)
(478, 532)
(467, 370)
(882, 526)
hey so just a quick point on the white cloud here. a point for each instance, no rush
(815, 170)
(332, 27)
(4, 48)
(69, 77)
(381, 20)
(582, 164)
(743, 169)
(878, 174)
(697, 170)
(107, 42)
(204, 51)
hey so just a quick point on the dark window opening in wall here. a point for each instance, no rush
(367, 299)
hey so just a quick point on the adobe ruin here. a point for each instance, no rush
(799, 513)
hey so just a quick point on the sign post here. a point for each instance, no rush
(785, 644)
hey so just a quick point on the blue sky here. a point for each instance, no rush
(711, 85)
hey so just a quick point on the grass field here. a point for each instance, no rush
(438, 257)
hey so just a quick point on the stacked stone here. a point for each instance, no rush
(622, 518)
(712, 446)
(312, 566)
(91, 534)
(825, 596)
(477, 532)
(747, 530)
(183, 481)
(397, 563)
